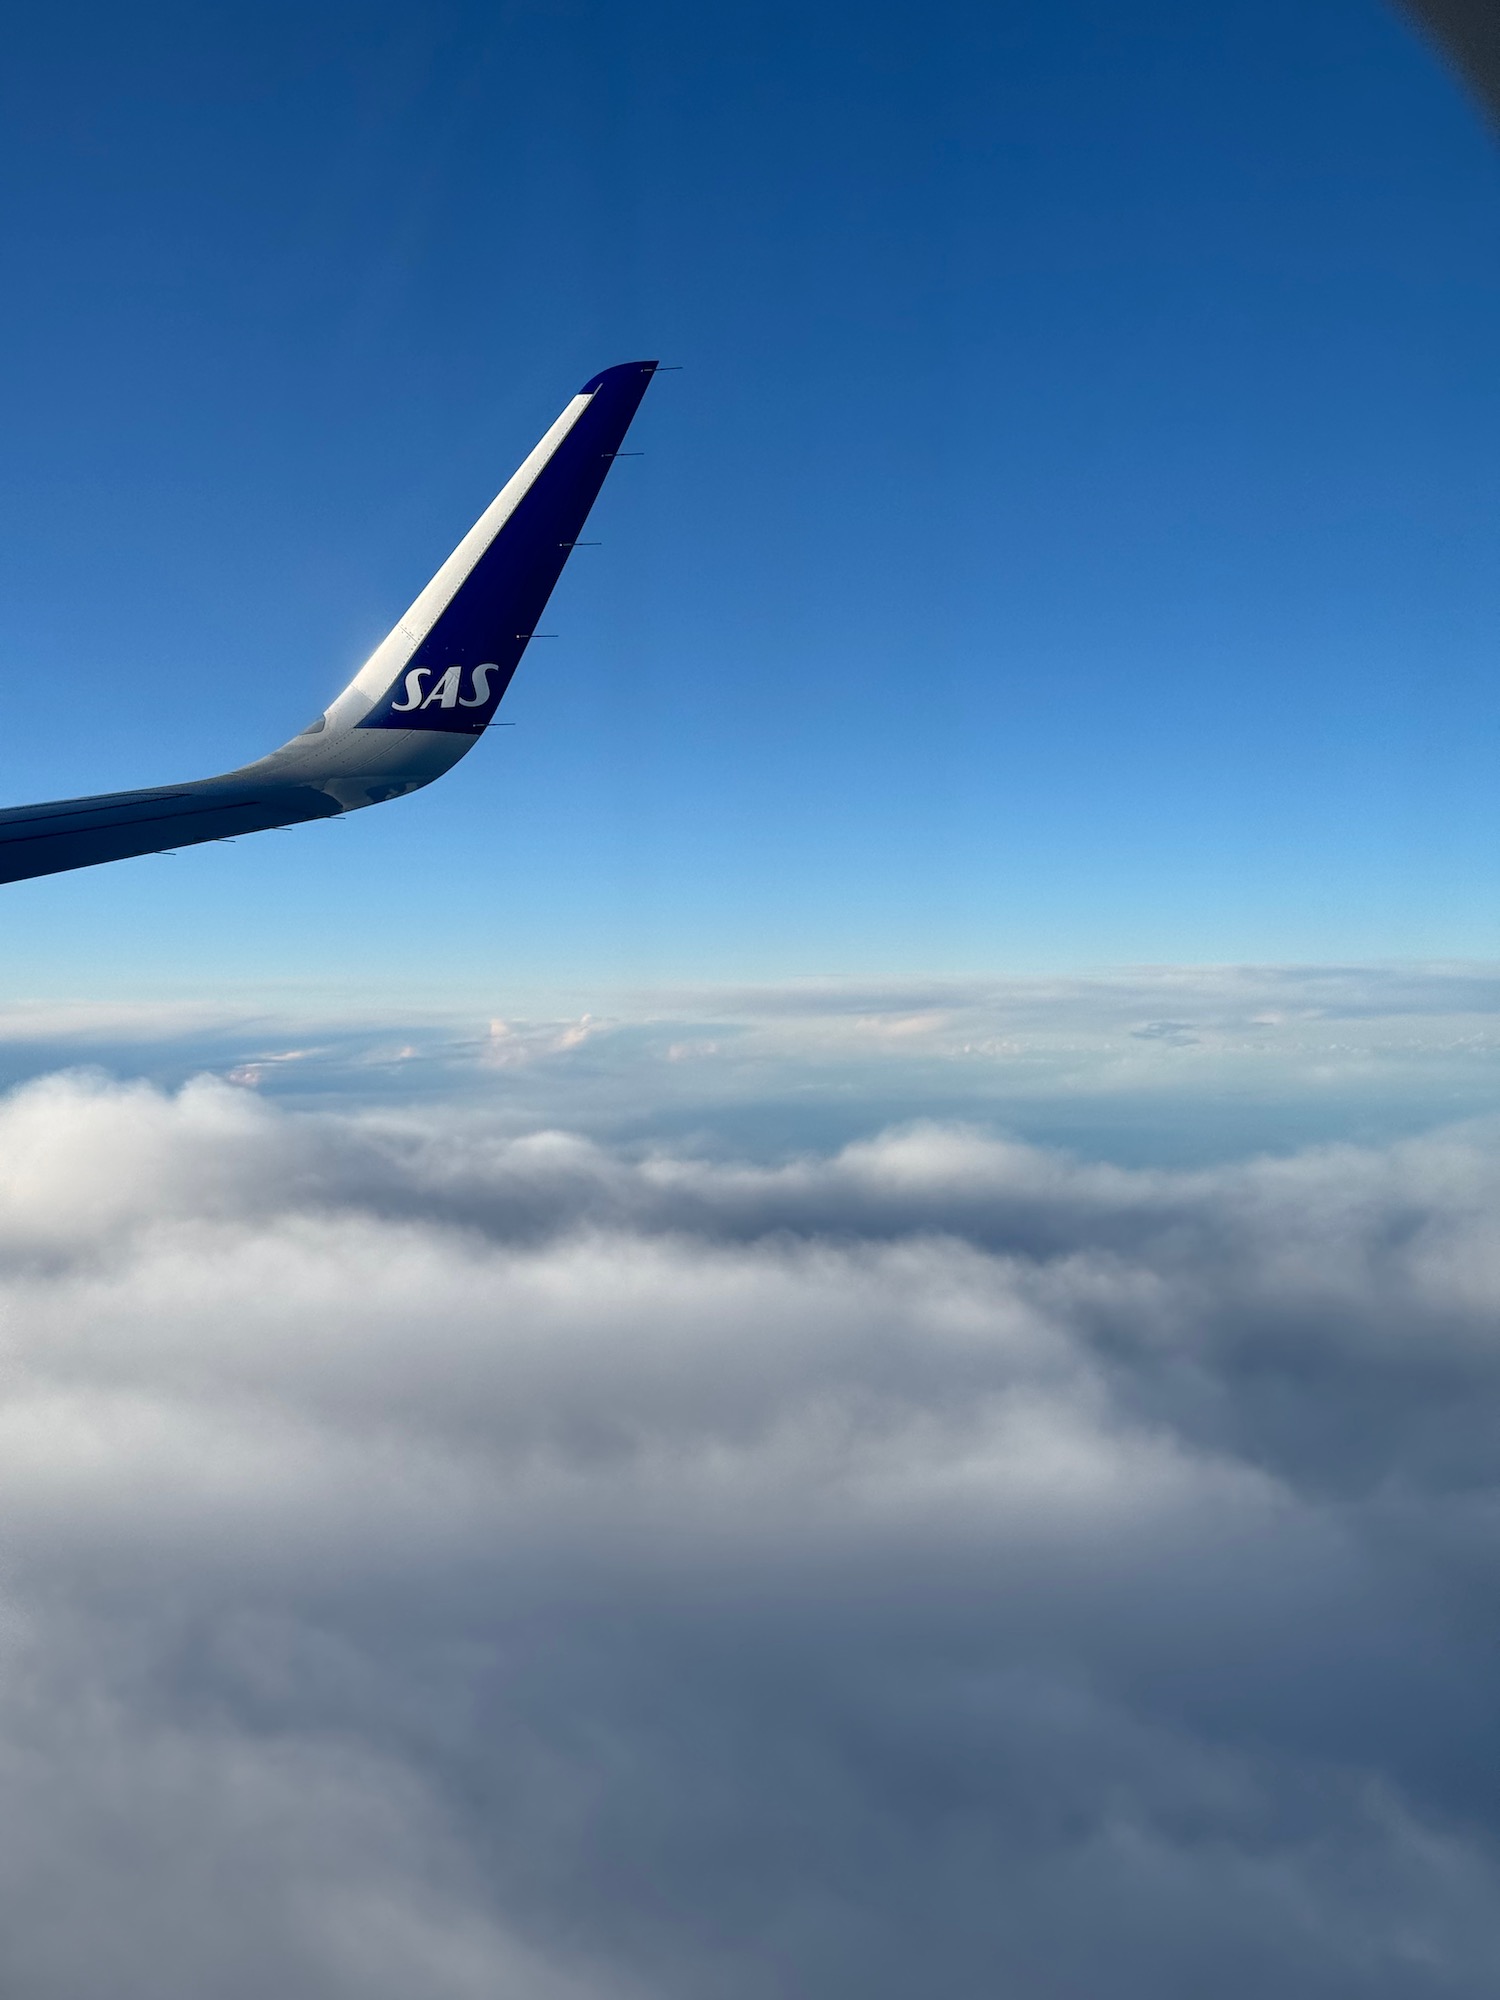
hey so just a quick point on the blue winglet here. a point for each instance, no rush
(457, 675)
(620, 373)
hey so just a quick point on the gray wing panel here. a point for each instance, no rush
(77, 833)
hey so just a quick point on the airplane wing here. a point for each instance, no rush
(420, 701)
(1468, 31)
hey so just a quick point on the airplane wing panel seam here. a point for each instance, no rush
(76, 809)
(123, 824)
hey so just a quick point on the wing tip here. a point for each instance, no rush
(618, 373)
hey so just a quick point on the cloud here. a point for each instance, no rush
(1168, 1063)
(444, 1560)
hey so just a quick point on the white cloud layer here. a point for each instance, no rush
(1168, 1064)
(440, 1562)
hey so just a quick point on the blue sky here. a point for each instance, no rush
(1070, 541)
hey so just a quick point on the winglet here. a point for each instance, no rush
(470, 646)
(620, 374)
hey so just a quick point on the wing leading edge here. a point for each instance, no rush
(420, 701)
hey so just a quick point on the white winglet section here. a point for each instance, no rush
(378, 675)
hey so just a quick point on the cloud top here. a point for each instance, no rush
(450, 1561)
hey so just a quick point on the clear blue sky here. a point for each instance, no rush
(1072, 540)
